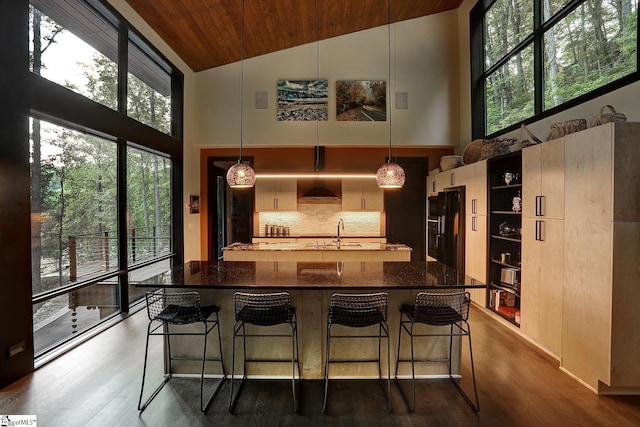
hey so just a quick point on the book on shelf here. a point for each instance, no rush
(508, 312)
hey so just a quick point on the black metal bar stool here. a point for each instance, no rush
(168, 311)
(358, 311)
(267, 309)
(438, 309)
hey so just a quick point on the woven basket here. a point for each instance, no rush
(560, 129)
(472, 152)
(498, 146)
(495, 147)
(602, 117)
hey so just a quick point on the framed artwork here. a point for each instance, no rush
(361, 100)
(194, 204)
(303, 100)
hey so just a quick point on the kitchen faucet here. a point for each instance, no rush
(340, 222)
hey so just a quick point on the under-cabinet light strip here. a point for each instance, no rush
(316, 175)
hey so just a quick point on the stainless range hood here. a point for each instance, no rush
(319, 191)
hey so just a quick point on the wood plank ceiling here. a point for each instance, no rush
(206, 33)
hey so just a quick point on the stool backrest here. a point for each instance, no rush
(358, 304)
(263, 308)
(177, 308)
(442, 308)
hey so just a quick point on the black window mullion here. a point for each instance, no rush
(538, 57)
(123, 68)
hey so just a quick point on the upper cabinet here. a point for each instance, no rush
(543, 180)
(362, 195)
(276, 195)
(476, 188)
(450, 178)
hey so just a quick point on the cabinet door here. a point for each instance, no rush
(530, 278)
(476, 254)
(551, 284)
(362, 195)
(531, 180)
(276, 195)
(552, 179)
(480, 186)
(476, 188)
(543, 180)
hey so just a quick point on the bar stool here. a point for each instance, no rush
(438, 309)
(358, 311)
(167, 310)
(266, 309)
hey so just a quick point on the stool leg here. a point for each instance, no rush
(233, 367)
(388, 367)
(326, 368)
(204, 357)
(473, 372)
(294, 333)
(413, 372)
(399, 336)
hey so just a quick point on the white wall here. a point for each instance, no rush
(424, 64)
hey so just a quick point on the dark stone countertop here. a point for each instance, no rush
(312, 275)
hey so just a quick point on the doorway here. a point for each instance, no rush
(406, 207)
(229, 211)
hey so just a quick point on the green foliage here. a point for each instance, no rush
(595, 44)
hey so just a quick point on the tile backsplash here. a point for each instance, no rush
(322, 219)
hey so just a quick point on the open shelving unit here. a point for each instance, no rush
(504, 294)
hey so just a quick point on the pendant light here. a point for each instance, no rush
(390, 175)
(241, 175)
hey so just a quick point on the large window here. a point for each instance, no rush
(532, 57)
(105, 186)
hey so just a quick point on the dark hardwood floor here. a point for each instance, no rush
(97, 384)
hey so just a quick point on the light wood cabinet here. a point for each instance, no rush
(600, 339)
(362, 195)
(542, 281)
(543, 180)
(475, 264)
(451, 178)
(276, 195)
(542, 271)
(476, 188)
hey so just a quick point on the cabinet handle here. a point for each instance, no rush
(473, 224)
(363, 203)
(433, 186)
(541, 206)
(539, 230)
(452, 178)
(537, 208)
(537, 221)
(474, 207)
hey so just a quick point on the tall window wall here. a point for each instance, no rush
(536, 57)
(105, 166)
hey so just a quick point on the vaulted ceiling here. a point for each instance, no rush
(207, 33)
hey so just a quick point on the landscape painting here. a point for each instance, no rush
(303, 100)
(361, 100)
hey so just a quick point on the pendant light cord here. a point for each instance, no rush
(389, 80)
(317, 163)
(241, 81)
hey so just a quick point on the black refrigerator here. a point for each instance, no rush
(445, 225)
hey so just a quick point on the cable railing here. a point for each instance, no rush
(93, 253)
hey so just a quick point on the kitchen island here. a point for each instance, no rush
(311, 285)
(296, 251)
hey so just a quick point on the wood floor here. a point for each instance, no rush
(97, 384)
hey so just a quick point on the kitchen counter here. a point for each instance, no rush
(311, 285)
(313, 275)
(320, 252)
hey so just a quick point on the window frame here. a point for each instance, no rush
(479, 74)
(49, 101)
